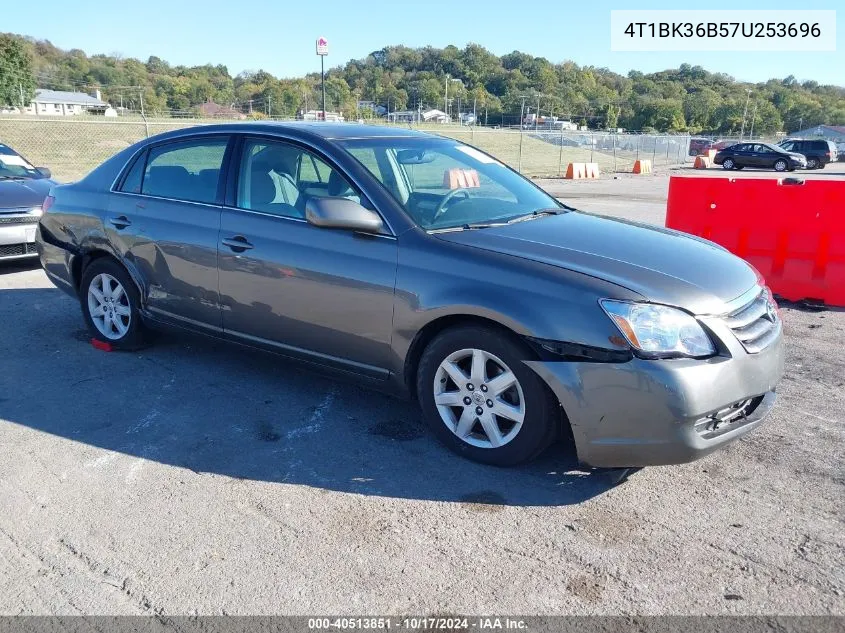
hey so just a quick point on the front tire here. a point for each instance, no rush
(480, 399)
(110, 301)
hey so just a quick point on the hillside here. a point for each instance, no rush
(688, 98)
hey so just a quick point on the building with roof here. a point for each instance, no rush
(64, 103)
(217, 111)
(835, 133)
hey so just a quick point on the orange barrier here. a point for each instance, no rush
(642, 167)
(711, 154)
(701, 162)
(591, 170)
(460, 179)
(791, 230)
(575, 171)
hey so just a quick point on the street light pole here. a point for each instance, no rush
(753, 119)
(744, 113)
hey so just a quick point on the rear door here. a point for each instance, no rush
(164, 220)
(321, 294)
(742, 155)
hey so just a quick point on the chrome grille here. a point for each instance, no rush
(17, 250)
(756, 324)
(18, 219)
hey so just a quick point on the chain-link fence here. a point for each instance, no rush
(72, 146)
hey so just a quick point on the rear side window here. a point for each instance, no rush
(188, 170)
(132, 182)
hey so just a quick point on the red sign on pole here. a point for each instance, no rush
(322, 46)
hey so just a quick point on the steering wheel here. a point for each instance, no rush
(441, 208)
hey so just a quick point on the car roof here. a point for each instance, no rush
(303, 129)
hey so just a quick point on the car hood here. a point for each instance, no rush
(662, 265)
(15, 194)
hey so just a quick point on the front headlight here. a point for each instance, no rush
(657, 331)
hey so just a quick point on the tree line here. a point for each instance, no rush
(497, 88)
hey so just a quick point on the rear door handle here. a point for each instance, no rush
(237, 243)
(120, 222)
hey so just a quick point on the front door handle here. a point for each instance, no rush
(120, 222)
(237, 243)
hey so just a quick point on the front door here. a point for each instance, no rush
(321, 294)
(165, 221)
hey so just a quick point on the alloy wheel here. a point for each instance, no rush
(108, 306)
(479, 398)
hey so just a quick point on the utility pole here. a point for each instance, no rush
(250, 106)
(745, 113)
(270, 105)
(20, 85)
(537, 117)
(446, 98)
(475, 110)
(522, 113)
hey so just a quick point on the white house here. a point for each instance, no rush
(317, 115)
(62, 103)
(436, 116)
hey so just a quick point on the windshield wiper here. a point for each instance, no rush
(468, 227)
(12, 178)
(536, 214)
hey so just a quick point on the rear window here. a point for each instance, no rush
(189, 170)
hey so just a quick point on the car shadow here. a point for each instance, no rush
(214, 408)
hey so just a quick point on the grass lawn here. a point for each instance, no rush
(72, 146)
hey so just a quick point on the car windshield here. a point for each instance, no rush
(444, 184)
(13, 165)
(775, 148)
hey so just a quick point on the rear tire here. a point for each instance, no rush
(475, 368)
(781, 165)
(812, 163)
(110, 301)
(728, 164)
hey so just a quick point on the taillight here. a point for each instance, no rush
(48, 202)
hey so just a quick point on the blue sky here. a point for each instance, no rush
(279, 35)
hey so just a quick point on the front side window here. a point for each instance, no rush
(444, 184)
(279, 178)
(187, 170)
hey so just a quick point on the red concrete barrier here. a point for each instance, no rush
(575, 171)
(642, 167)
(460, 179)
(791, 230)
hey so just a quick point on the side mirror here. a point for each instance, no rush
(342, 213)
(44, 171)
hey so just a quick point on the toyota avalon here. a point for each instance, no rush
(424, 266)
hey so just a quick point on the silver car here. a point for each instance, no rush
(23, 189)
(425, 267)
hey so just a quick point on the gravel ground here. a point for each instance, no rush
(194, 477)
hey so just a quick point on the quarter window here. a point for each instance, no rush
(132, 182)
(188, 170)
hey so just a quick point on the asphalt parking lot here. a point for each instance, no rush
(195, 477)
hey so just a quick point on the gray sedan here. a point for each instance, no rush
(425, 267)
